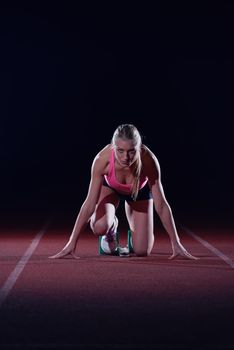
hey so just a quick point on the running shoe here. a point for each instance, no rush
(109, 242)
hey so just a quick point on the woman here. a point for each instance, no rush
(125, 169)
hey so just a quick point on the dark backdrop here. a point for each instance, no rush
(70, 75)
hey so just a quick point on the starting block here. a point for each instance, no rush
(130, 242)
(119, 251)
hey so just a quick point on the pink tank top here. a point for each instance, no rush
(113, 182)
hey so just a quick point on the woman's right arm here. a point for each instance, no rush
(87, 208)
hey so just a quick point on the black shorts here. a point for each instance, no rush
(143, 194)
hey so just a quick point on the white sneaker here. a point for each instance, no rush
(109, 242)
(124, 251)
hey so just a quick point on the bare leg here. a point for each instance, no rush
(103, 218)
(140, 219)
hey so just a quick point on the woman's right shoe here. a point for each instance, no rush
(108, 244)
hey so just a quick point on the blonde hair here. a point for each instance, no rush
(128, 132)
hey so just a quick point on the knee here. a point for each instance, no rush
(99, 228)
(141, 252)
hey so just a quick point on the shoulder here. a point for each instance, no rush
(101, 160)
(103, 156)
(148, 157)
(150, 163)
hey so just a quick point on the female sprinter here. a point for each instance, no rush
(125, 169)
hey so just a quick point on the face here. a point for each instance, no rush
(126, 152)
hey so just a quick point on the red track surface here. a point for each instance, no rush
(106, 302)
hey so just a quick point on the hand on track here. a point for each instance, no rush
(179, 250)
(64, 252)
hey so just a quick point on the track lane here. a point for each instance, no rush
(69, 301)
(18, 269)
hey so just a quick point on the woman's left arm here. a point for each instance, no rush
(162, 207)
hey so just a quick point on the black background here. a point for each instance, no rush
(71, 74)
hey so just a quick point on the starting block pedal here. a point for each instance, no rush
(130, 247)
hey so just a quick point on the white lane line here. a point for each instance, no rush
(209, 246)
(11, 280)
